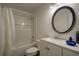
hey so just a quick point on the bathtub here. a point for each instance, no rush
(20, 51)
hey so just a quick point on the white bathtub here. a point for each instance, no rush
(19, 51)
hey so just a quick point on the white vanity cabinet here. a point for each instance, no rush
(42, 48)
(54, 47)
(47, 49)
(54, 50)
(67, 52)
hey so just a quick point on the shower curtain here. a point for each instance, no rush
(17, 31)
(9, 29)
(2, 32)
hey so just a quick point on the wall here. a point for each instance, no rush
(44, 18)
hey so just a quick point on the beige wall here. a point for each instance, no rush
(44, 18)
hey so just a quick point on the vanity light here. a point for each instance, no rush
(51, 7)
(54, 4)
(58, 3)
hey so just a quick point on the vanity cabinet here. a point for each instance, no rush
(67, 52)
(48, 49)
(42, 47)
(54, 50)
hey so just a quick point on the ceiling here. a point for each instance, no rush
(29, 7)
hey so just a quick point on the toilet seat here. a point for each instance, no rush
(32, 51)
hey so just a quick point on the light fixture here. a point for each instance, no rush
(58, 3)
(54, 4)
(51, 7)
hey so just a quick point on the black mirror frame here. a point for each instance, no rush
(73, 21)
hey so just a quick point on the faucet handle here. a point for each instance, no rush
(57, 36)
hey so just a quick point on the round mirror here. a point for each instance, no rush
(63, 19)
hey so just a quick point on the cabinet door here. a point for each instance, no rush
(67, 52)
(54, 50)
(42, 47)
(47, 49)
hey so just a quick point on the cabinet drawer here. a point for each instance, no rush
(67, 52)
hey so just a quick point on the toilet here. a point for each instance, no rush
(32, 51)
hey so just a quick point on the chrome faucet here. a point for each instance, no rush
(58, 37)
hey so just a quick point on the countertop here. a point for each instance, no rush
(62, 43)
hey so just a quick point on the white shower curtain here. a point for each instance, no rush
(2, 32)
(10, 29)
(12, 43)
